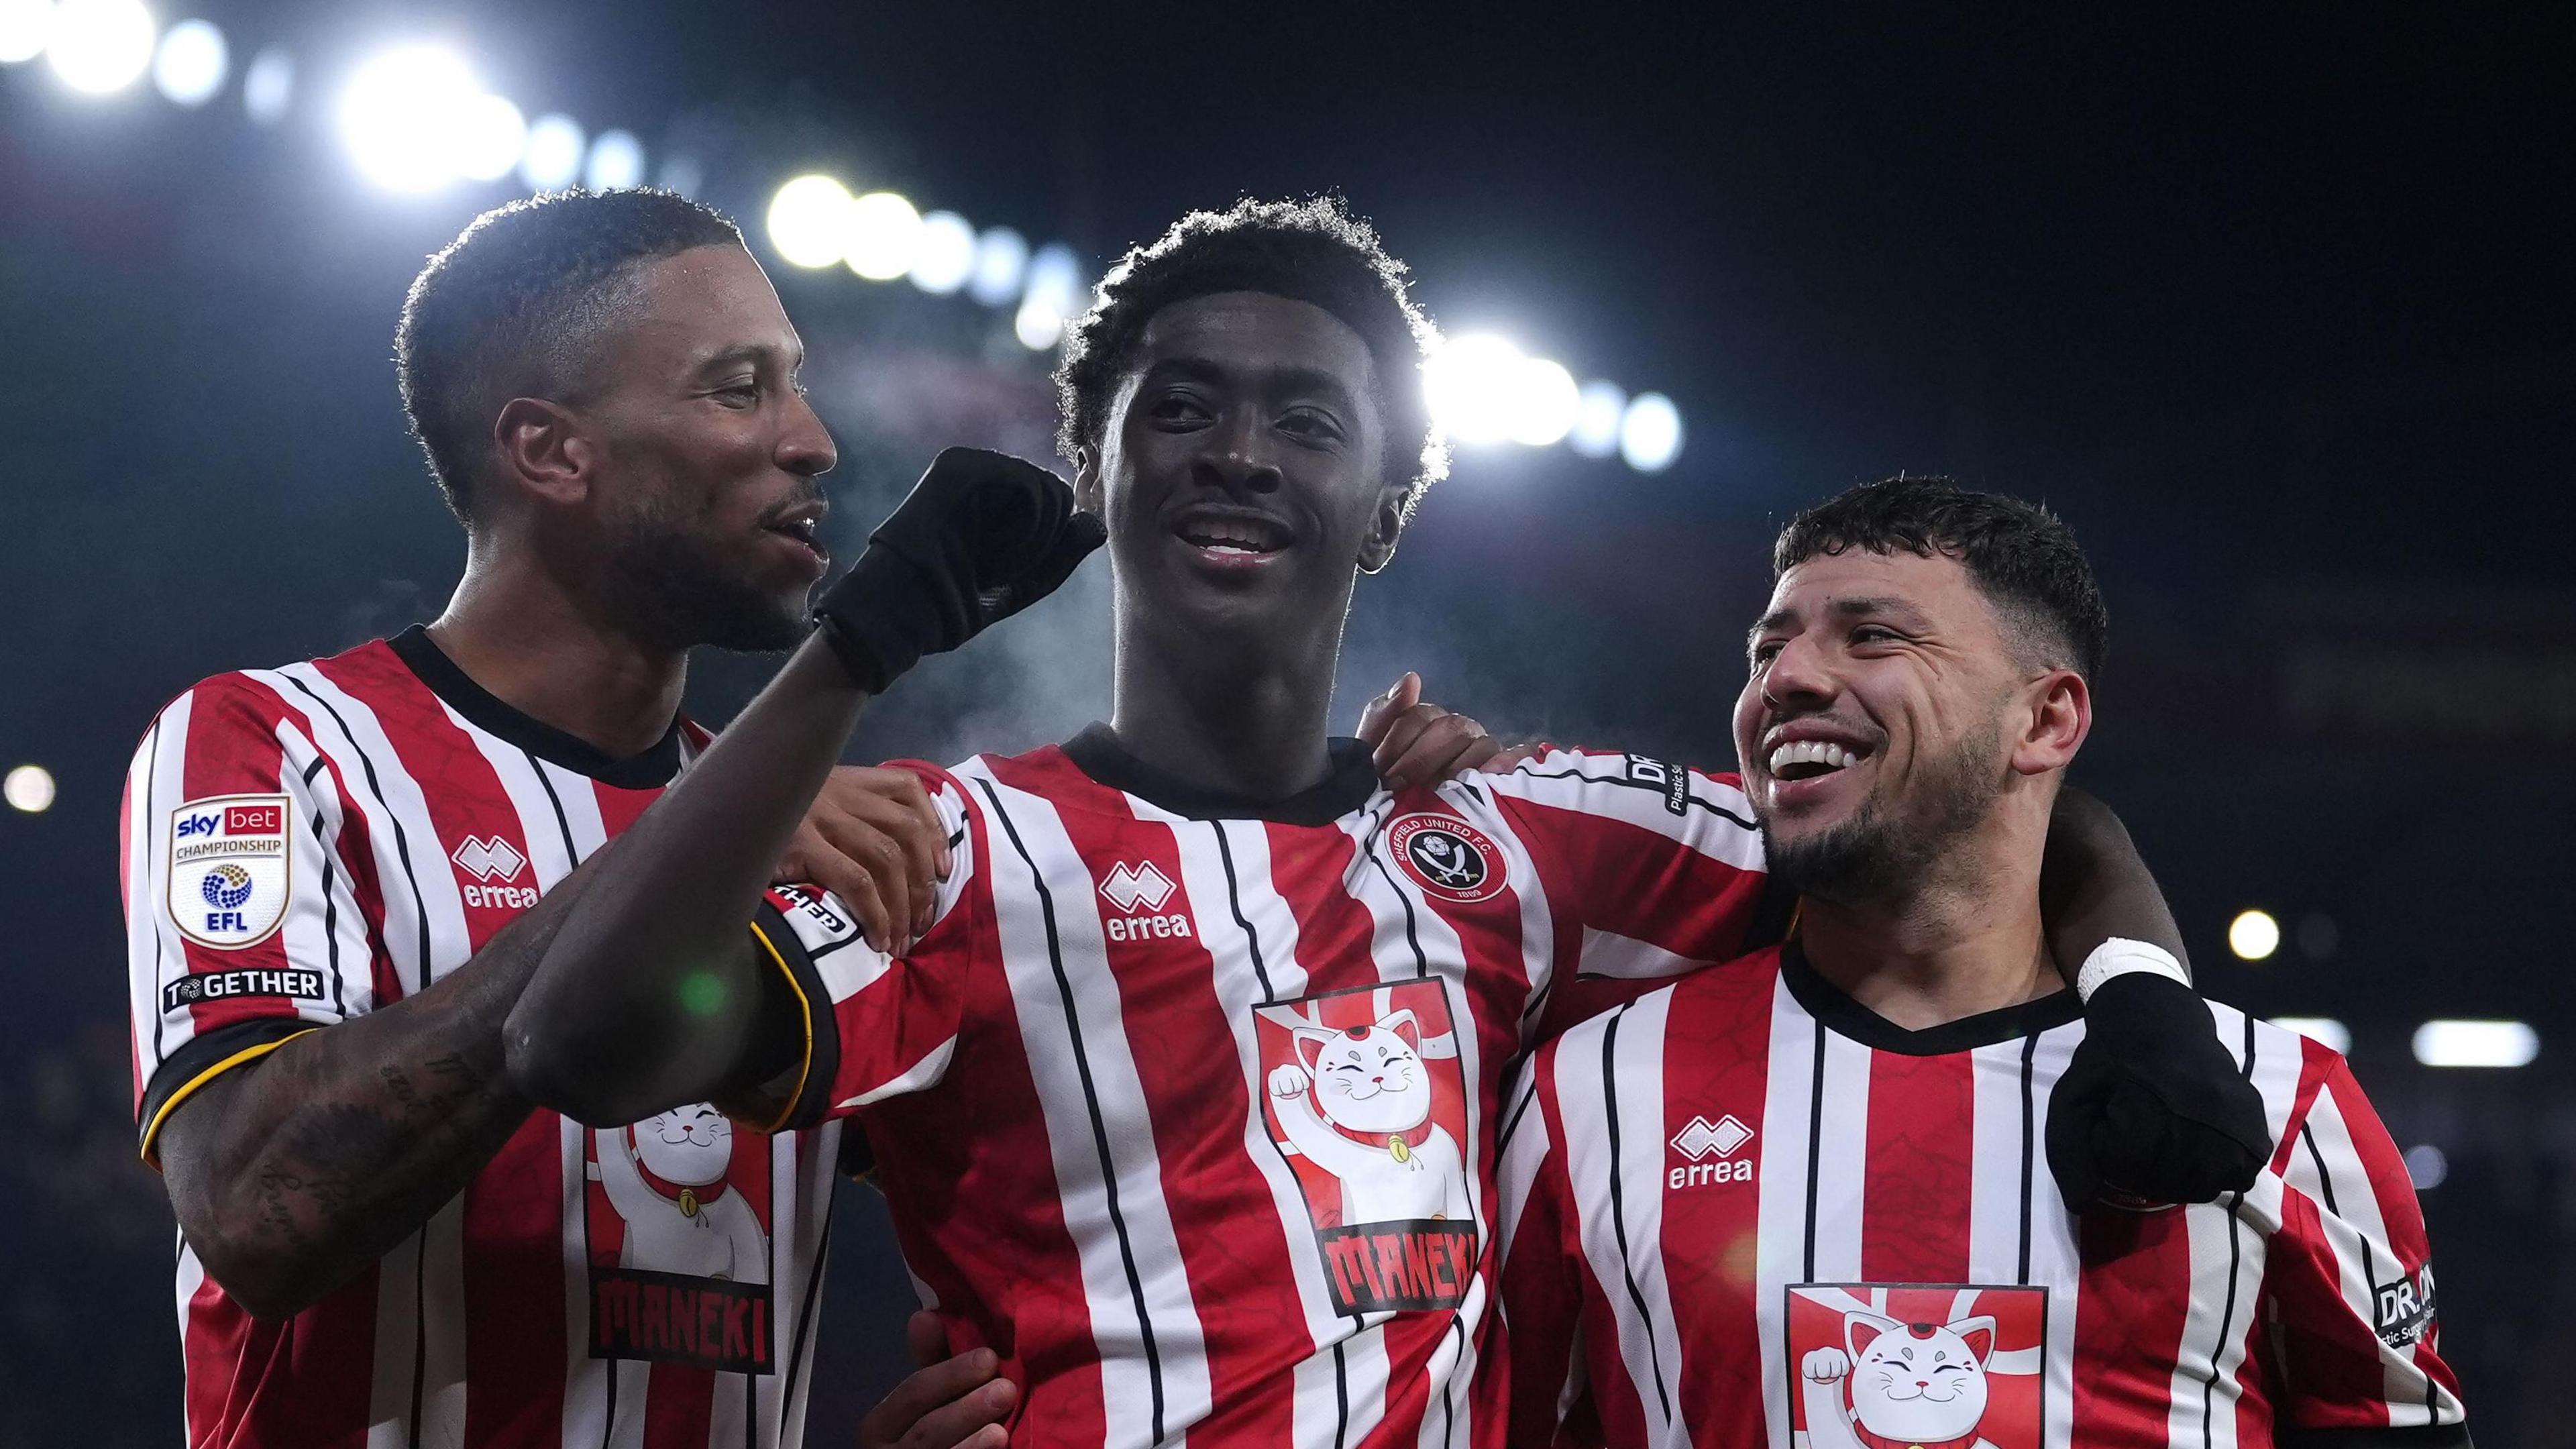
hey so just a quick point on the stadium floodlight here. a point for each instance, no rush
(1545, 402)
(487, 139)
(883, 234)
(191, 64)
(1001, 266)
(98, 46)
(268, 86)
(683, 174)
(2323, 1030)
(25, 26)
(401, 114)
(2451, 1043)
(944, 257)
(808, 221)
(1054, 294)
(1597, 412)
(2253, 935)
(2427, 1166)
(1472, 385)
(552, 159)
(29, 788)
(616, 162)
(1650, 432)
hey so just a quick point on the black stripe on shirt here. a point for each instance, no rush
(1618, 1204)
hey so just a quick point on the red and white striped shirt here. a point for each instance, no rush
(1186, 1108)
(1747, 1211)
(303, 845)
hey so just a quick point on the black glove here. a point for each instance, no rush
(2153, 1109)
(980, 537)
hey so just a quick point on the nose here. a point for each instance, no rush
(1798, 680)
(1238, 455)
(805, 446)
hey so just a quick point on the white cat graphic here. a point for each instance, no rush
(695, 1224)
(1911, 1383)
(1357, 1103)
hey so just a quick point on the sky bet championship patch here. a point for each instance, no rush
(228, 869)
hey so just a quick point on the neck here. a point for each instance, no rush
(549, 653)
(1249, 722)
(1967, 939)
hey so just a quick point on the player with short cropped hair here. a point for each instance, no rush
(338, 874)
(1185, 1102)
(1801, 1198)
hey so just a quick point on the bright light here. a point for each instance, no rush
(1596, 420)
(2253, 935)
(25, 25)
(490, 134)
(808, 221)
(401, 112)
(2427, 1166)
(1054, 291)
(29, 788)
(191, 64)
(884, 231)
(1001, 265)
(100, 45)
(1650, 433)
(552, 160)
(269, 85)
(1545, 401)
(2476, 1044)
(1471, 385)
(616, 162)
(682, 174)
(944, 257)
(2323, 1030)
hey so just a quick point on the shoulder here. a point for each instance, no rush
(2287, 1066)
(1622, 782)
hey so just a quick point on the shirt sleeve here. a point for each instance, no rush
(1542, 1276)
(876, 1026)
(1649, 869)
(242, 929)
(2349, 1283)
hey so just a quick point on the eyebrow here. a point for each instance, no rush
(752, 352)
(1289, 378)
(1845, 608)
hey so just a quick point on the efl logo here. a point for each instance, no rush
(1702, 1140)
(229, 882)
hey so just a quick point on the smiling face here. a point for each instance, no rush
(1369, 1078)
(1919, 1381)
(690, 1146)
(705, 455)
(1242, 475)
(1887, 711)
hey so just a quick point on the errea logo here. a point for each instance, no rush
(1134, 888)
(494, 860)
(1710, 1148)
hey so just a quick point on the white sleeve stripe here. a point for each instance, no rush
(1714, 819)
(921, 1075)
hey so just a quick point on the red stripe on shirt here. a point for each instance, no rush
(1918, 1168)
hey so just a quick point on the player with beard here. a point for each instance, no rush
(1185, 1104)
(1798, 1198)
(338, 875)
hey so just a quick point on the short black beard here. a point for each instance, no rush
(1877, 855)
(678, 597)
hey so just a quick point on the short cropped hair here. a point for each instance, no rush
(514, 307)
(1312, 251)
(2022, 557)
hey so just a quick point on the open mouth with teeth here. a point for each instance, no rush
(1811, 759)
(803, 528)
(1231, 536)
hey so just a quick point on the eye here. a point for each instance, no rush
(1874, 634)
(745, 393)
(1764, 652)
(1178, 410)
(1310, 425)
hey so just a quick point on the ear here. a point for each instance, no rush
(1086, 482)
(1978, 1334)
(2060, 716)
(1860, 1330)
(1406, 1028)
(1311, 1042)
(1386, 525)
(542, 451)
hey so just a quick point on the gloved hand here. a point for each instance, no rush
(980, 537)
(2153, 1109)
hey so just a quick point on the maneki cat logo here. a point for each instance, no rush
(1365, 1099)
(678, 1217)
(1918, 1366)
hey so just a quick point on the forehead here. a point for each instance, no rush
(1937, 588)
(690, 306)
(1256, 336)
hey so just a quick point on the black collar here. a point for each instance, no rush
(649, 770)
(1097, 753)
(1826, 1003)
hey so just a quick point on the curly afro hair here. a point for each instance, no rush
(1312, 251)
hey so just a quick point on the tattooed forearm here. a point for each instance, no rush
(293, 1174)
